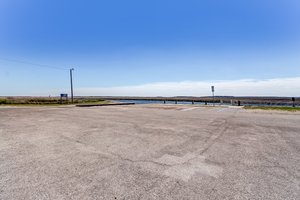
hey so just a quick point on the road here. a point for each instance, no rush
(148, 152)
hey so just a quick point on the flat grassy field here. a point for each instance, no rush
(280, 108)
(47, 101)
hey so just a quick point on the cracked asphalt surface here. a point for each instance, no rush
(148, 152)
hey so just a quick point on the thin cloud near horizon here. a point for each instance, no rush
(243, 87)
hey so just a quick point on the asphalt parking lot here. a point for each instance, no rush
(148, 152)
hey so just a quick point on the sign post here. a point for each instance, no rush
(63, 96)
(71, 80)
(213, 94)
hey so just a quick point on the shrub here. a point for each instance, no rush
(3, 101)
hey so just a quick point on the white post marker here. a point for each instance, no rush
(213, 94)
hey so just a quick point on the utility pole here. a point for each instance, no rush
(71, 78)
(213, 94)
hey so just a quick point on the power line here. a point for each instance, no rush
(33, 64)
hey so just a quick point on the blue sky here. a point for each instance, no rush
(118, 46)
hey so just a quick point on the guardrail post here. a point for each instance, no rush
(293, 99)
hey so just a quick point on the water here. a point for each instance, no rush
(162, 102)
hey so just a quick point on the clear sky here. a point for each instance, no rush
(150, 47)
